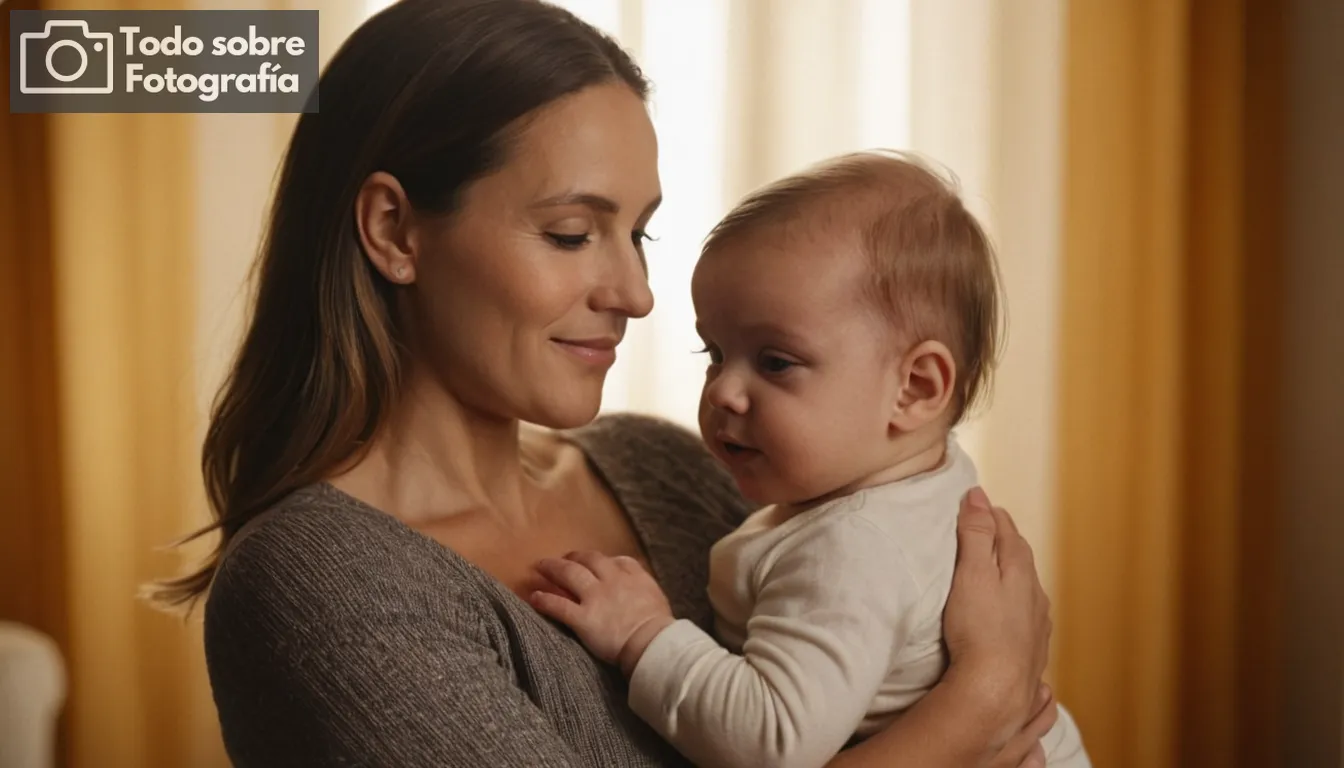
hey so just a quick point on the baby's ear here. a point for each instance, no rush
(928, 376)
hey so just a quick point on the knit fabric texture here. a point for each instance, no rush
(336, 635)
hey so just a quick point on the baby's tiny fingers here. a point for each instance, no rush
(556, 607)
(596, 562)
(568, 574)
(628, 564)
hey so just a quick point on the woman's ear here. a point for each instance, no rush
(384, 217)
(928, 376)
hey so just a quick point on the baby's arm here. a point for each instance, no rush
(830, 612)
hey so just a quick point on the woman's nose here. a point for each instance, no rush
(625, 287)
(726, 391)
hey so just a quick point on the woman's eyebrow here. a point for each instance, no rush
(594, 201)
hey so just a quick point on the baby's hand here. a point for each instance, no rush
(618, 609)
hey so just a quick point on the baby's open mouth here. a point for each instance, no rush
(734, 449)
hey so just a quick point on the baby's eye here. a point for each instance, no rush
(776, 364)
(715, 356)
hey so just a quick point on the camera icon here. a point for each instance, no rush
(37, 65)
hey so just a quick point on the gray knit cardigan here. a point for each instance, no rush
(336, 635)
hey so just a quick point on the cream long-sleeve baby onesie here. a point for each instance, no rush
(831, 622)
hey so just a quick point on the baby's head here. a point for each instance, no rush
(851, 315)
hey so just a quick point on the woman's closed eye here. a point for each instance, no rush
(568, 242)
(574, 242)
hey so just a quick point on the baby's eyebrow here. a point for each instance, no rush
(795, 341)
(775, 330)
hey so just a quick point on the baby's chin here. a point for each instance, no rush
(752, 488)
(758, 480)
(763, 492)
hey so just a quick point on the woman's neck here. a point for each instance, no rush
(435, 458)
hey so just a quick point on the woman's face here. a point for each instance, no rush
(521, 296)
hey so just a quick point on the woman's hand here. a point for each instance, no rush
(1024, 750)
(997, 624)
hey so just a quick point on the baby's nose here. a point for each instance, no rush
(727, 392)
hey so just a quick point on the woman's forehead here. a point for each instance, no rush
(598, 141)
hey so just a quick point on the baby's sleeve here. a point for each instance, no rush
(831, 611)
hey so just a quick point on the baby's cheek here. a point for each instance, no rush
(793, 468)
(820, 461)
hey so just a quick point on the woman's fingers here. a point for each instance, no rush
(1017, 564)
(1024, 748)
(1044, 720)
(997, 620)
(1004, 521)
(1044, 695)
(1036, 758)
(1014, 551)
(570, 575)
(1017, 568)
(976, 529)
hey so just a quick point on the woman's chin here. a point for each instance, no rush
(567, 412)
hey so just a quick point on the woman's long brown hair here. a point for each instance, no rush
(429, 91)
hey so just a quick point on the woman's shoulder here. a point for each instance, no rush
(336, 635)
(319, 550)
(651, 461)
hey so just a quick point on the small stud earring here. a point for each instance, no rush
(401, 271)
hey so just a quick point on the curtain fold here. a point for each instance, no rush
(98, 213)
(32, 579)
(1167, 592)
(125, 238)
(123, 213)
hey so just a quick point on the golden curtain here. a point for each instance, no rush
(32, 584)
(1168, 567)
(98, 361)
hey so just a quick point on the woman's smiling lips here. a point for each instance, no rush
(598, 351)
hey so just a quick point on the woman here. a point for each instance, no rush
(454, 251)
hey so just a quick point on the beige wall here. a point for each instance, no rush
(1017, 448)
(1314, 386)
(986, 102)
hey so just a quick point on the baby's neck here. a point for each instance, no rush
(911, 454)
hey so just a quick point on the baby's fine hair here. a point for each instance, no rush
(934, 271)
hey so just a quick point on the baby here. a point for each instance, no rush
(850, 316)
